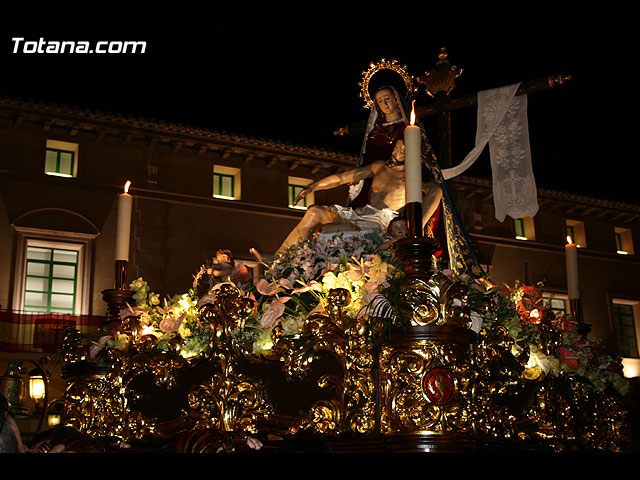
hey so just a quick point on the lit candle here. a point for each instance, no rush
(413, 161)
(123, 225)
(571, 254)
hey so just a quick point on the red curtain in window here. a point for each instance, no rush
(40, 333)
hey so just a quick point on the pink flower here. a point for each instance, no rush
(313, 285)
(274, 312)
(570, 327)
(95, 347)
(331, 268)
(356, 272)
(130, 311)
(569, 358)
(372, 287)
(285, 283)
(266, 288)
(206, 299)
(447, 273)
(271, 288)
(171, 323)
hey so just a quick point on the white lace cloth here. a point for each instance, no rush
(502, 122)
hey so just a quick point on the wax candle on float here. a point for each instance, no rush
(413, 161)
(123, 225)
(571, 254)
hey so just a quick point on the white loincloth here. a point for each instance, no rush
(365, 218)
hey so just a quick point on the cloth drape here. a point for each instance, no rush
(502, 123)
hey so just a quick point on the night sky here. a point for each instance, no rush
(299, 85)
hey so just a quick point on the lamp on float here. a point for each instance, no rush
(37, 388)
(12, 386)
(55, 412)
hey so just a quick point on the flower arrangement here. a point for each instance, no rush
(174, 322)
(297, 282)
(310, 259)
(554, 343)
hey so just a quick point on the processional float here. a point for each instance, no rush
(428, 361)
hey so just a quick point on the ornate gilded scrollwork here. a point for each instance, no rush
(107, 404)
(346, 339)
(432, 377)
(229, 401)
(426, 386)
(515, 400)
(436, 301)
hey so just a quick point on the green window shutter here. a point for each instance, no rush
(59, 162)
(294, 190)
(223, 185)
(625, 330)
(50, 280)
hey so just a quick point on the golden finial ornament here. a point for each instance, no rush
(442, 78)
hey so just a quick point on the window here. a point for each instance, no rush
(624, 241)
(53, 272)
(61, 159)
(558, 303)
(226, 182)
(625, 313)
(524, 228)
(223, 186)
(296, 185)
(51, 276)
(575, 230)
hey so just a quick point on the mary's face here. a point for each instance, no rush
(386, 102)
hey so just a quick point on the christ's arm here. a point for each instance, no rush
(338, 179)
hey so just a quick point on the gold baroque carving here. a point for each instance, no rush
(408, 403)
(438, 379)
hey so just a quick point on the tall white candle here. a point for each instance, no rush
(571, 254)
(123, 225)
(413, 161)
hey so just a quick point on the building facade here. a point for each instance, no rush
(196, 191)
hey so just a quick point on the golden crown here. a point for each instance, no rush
(376, 67)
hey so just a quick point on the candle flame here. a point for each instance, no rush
(413, 112)
(126, 186)
(569, 239)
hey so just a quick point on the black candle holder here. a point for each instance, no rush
(575, 306)
(413, 213)
(120, 274)
(116, 298)
(416, 255)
